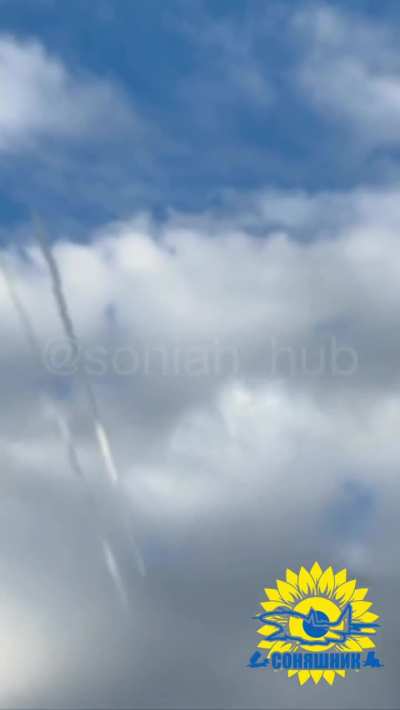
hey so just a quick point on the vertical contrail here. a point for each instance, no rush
(34, 344)
(66, 320)
(113, 569)
(65, 432)
(107, 550)
(69, 329)
(22, 314)
(108, 553)
(66, 437)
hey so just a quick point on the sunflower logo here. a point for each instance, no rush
(316, 612)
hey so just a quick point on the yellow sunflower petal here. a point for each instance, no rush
(368, 618)
(287, 591)
(291, 577)
(326, 582)
(360, 594)
(359, 608)
(304, 676)
(329, 676)
(306, 582)
(341, 673)
(316, 571)
(266, 644)
(316, 676)
(291, 673)
(272, 594)
(365, 642)
(266, 630)
(344, 593)
(352, 645)
(340, 577)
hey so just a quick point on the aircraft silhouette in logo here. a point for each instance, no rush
(316, 624)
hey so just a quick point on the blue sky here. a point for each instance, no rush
(205, 126)
(216, 176)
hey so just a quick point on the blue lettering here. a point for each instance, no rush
(276, 661)
(256, 662)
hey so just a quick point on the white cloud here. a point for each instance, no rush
(178, 289)
(231, 474)
(41, 98)
(351, 71)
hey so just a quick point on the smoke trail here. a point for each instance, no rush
(65, 432)
(65, 317)
(105, 449)
(57, 287)
(36, 350)
(22, 314)
(110, 559)
(66, 436)
(113, 569)
(108, 554)
(34, 344)
(58, 291)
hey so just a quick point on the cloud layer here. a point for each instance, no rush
(41, 99)
(279, 443)
(344, 79)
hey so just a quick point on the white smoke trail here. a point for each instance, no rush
(113, 569)
(105, 449)
(68, 325)
(22, 314)
(34, 345)
(108, 554)
(66, 437)
(65, 432)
